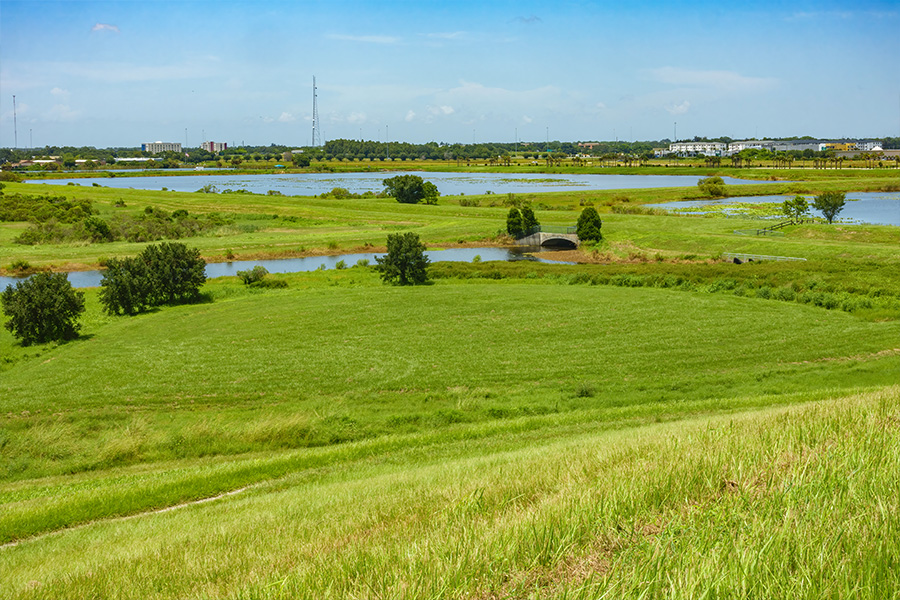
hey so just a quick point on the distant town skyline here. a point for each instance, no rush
(119, 74)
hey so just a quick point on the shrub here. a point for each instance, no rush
(363, 262)
(254, 275)
(340, 265)
(712, 186)
(405, 261)
(43, 308)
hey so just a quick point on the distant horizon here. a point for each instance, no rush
(441, 144)
(111, 73)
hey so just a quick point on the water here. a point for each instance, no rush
(449, 184)
(875, 208)
(81, 279)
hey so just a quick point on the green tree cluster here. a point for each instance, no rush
(405, 262)
(43, 308)
(411, 189)
(167, 273)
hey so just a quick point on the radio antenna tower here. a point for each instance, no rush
(316, 141)
(15, 126)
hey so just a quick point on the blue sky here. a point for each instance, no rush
(122, 73)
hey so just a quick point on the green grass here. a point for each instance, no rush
(798, 502)
(660, 424)
(338, 358)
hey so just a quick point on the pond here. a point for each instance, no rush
(449, 184)
(82, 279)
(875, 208)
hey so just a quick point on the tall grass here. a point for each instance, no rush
(788, 502)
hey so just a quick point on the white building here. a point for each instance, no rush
(214, 146)
(157, 147)
(705, 148)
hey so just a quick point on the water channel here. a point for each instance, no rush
(449, 184)
(81, 279)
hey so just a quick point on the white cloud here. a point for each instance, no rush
(61, 112)
(356, 117)
(720, 80)
(528, 20)
(59, 92)
(410, 116)
(601, 106)
(527, 119)
(441, 110)
(679, 109)
(286, 117)
(105, 27)
(366, 39)
(454, 35)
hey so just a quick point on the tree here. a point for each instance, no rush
(405, 261)
(514, 222)
(830, 204)
(43, 308)
(795, 208)
(176, 272)
(529, 221)
(588, 226)
(125, 287)
(411, 189)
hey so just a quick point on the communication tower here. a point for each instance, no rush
(316, 138)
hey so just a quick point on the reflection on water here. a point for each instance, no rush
(875, 208)
(314, 263)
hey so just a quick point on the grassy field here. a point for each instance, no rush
(651, 423)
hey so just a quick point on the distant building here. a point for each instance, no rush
(705, 148)
(214, 146)
(157, 147)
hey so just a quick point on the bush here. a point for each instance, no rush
(712, 186)
(405, 261)
(43, 308)
(254, 275)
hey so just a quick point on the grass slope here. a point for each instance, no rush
(799, 502)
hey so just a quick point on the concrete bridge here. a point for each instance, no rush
(557, 237)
